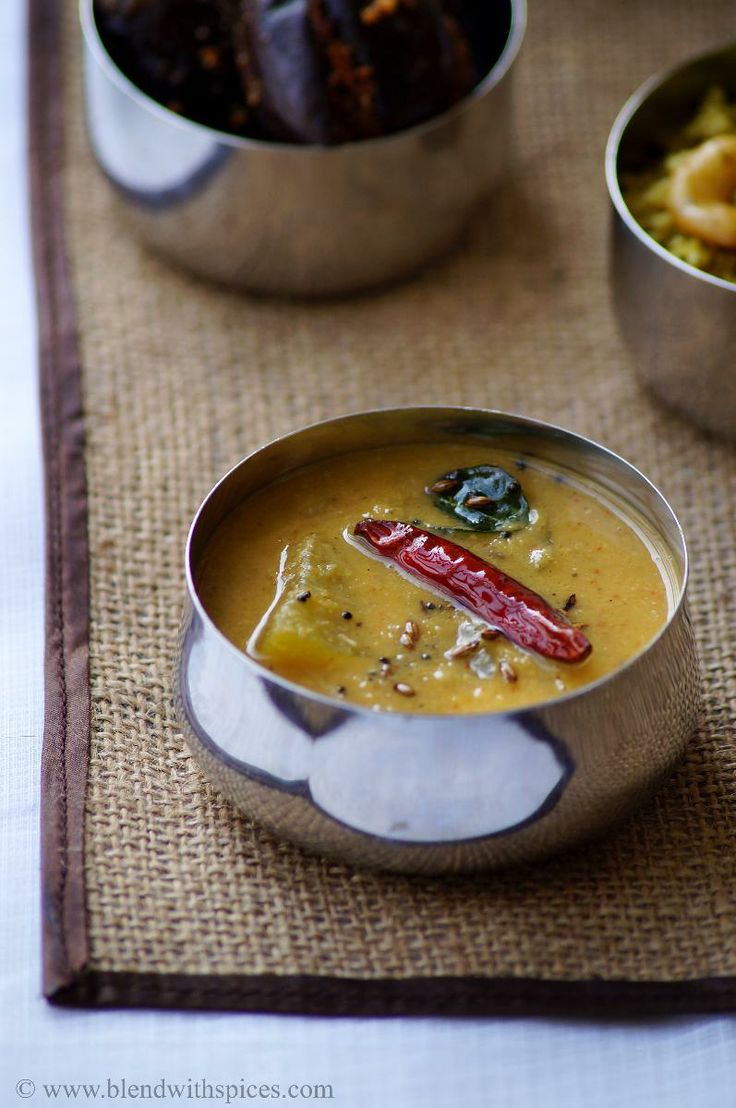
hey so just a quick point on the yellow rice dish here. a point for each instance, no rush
(655, 196)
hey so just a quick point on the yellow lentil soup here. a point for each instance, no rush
(286, 581)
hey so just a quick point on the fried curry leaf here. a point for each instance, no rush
(485, 498)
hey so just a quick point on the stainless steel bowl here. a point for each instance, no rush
(303, 220)
(678, 322)
(433, 793)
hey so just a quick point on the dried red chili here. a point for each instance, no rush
(522, 615)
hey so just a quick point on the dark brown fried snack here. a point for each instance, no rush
(180, 53)
(279, 67)
(390, 63)
(309, 71)
(331, 71)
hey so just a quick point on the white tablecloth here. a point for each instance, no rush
(515, 1063)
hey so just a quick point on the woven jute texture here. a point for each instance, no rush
(181, 379)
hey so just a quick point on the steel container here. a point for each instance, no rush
(288, 219)
(437, 793)
(678, 322)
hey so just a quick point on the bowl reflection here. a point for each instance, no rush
(304, 220)
(678, 321)
(435, 793)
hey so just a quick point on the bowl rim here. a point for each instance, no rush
(624, 117)
(451, 410)
(493, 77)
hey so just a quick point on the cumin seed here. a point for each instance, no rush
(479, 502)
(403, 689)
(445, 484)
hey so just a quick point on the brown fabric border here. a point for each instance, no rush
(67, 711)
(442, 996)
(67, 978)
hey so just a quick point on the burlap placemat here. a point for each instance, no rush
(155, 891)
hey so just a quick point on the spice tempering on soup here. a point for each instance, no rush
(434, 578)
